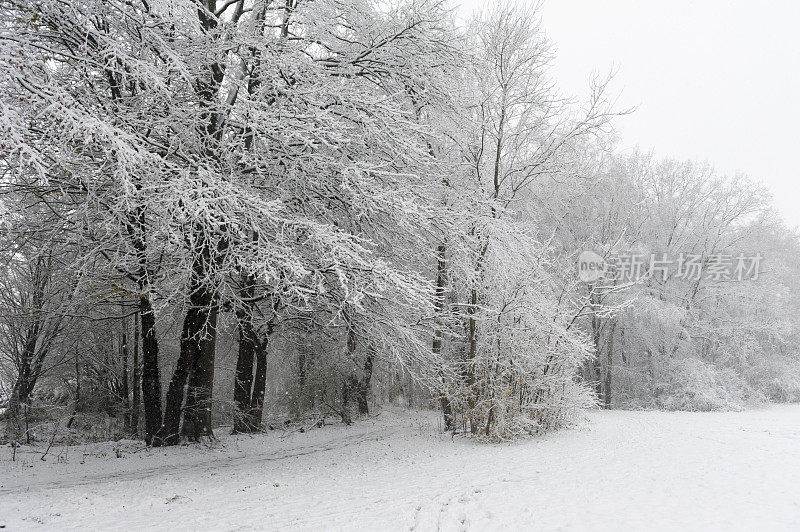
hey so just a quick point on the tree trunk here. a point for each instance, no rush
(196, 360)
(151, 378)
(260, 382)
(197, 416)
(305, 395)
(30, 367)
(301, 369)
(609, 365)
(136, 377)
(363, 385)
(441, 272)
(77, 405)
(249, 389)
(350, 385)
(125, 391)
(597, 363)
(244, 372)
(169, 433)
(16, 399)
(473, 351)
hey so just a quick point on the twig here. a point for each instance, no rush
(52, 439)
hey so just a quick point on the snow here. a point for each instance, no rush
(618, 470)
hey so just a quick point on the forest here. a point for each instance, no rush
(242, 215)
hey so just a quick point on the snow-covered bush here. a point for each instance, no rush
(694, 385)
(518, 375)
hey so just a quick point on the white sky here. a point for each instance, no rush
(713, 80)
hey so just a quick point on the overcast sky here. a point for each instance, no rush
(714, 80)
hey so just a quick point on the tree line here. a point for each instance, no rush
(335, 198)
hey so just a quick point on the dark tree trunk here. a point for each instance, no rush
(77, 405)
(609, 366)
(244, 372)
(169, 433)
(309, 387)
(151, 379)
(304, 399)
(125, 391)
(109, 384)
(597, 363)
(30, 367)
(196, 360)
(151, 376)
(441, 272)
(249, 389)
(260, 382)
(197, 416)
(38, 336)
(301, 368)
(363, 385)
(17, 399)
(136, 377)
(473, 351)
(350, 385)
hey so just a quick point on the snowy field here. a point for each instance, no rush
(619, 471)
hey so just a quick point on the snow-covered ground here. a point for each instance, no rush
(619, 471)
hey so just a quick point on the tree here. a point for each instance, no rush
(523, 134)
(232, 172)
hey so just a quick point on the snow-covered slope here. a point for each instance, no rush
(621, 470)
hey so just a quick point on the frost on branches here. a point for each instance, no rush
(220, 212)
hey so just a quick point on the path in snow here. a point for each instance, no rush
(621, 470)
